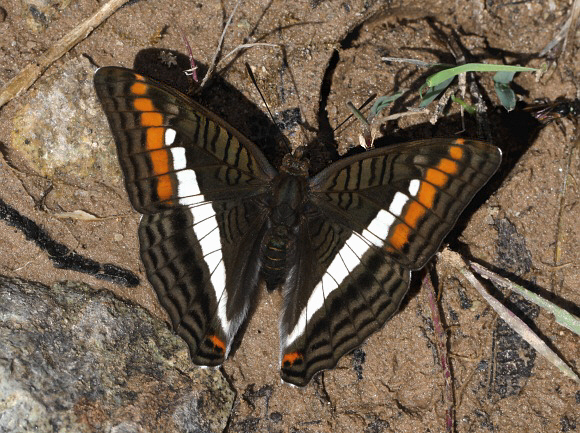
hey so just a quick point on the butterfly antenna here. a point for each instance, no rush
(253, 78)
(218, 50)
(304, 126)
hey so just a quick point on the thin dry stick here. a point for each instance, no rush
(481, 117)
(193, 70)
(457, 52)
(33, 71)
(519, 326)
(438, 112)
(441, 342)
(559, 231)
(419, 63)
(246, 46)
(562, 316)
(567, 28)
(411, 112)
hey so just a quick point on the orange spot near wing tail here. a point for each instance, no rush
(447, 166)
(291, 358)
(413, 214)
(426, 195)
(154, 139)
(143, 104)
(164, 187)
(436, 177)
(151, 119)
(217, 342)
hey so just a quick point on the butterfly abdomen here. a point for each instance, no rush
(286, 206)
(274, 254)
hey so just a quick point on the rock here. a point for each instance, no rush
(63, 132)
(78, 359)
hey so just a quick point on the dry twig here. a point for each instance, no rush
(441, 342)
(517, 324)
(26, 78)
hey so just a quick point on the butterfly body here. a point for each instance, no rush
(218, 219)
(286, 206)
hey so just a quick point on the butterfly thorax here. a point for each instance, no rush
(287, 202)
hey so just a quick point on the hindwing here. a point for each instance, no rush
(339, 292)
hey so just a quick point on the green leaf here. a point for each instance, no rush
(504, 77)
(434, 92)
(440, 80)
(506, 95)
(383, 102)
(467, 107)
(445, 74)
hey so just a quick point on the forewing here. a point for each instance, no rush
(405, 199)
(172, 151)
(200, 185)
(375, 217)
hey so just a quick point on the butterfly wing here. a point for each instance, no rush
(375, 217)
(200, 186)
(337, 295)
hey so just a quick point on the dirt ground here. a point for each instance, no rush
(57, 156)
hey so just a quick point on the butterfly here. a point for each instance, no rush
(218, 218)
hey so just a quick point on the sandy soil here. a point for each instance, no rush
(524, 223)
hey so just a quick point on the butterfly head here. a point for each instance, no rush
(296, 163)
